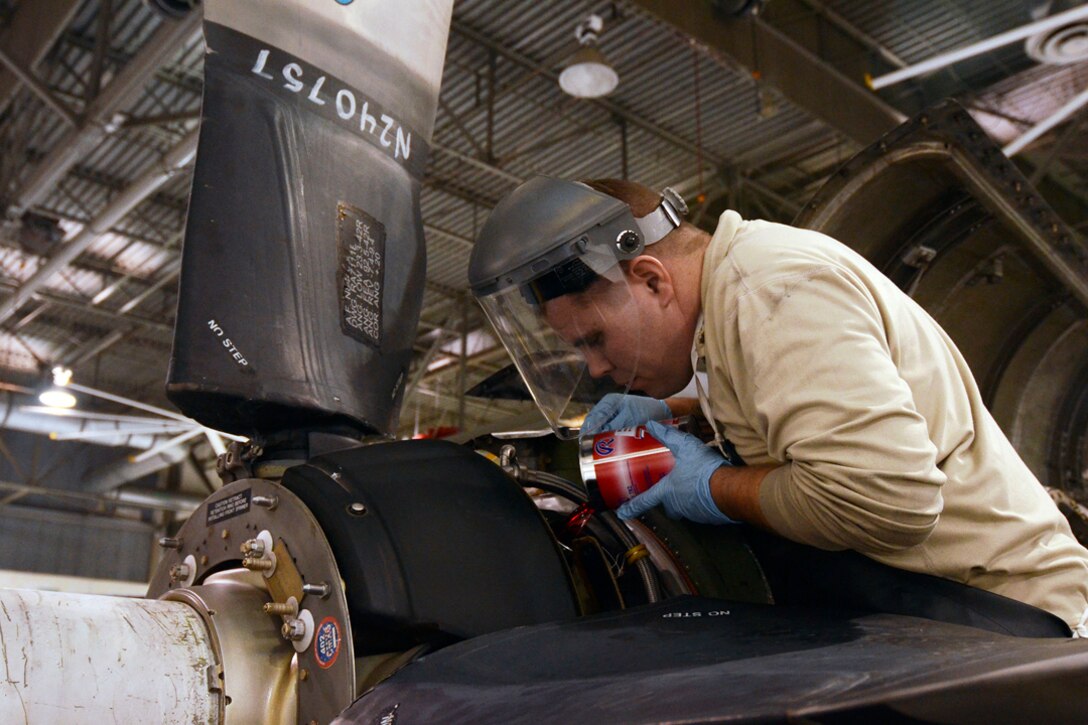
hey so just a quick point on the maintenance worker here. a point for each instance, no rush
(859, 420)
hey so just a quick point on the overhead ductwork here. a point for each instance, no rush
(142, 433)
(1061, 45)
(24, 414)
(118, 473)
(134, 496)
(737, 8)
(173, 8)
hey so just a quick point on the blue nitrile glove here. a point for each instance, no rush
(619, 410)
(685, 491)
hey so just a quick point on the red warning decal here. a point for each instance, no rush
(327, 642)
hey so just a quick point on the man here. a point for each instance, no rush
(859, 420)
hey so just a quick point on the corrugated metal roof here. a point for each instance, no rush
(482, 145)
(919, 29)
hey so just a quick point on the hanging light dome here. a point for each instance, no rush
(57, 398)
(55, 395)
(588, 74)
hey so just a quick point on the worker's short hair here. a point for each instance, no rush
(641, 198)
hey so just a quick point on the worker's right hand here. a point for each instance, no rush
(619, 410)
(684, 492)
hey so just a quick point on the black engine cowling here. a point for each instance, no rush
(434, 543)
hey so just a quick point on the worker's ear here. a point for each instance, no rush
(649, 271)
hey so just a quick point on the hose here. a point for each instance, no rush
(562, 487)
(554, 484)
(646, 572)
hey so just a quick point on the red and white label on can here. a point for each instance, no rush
(624, 463)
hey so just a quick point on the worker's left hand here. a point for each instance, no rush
(623, 410)
(685, 491)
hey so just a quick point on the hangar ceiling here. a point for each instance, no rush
(99, 101)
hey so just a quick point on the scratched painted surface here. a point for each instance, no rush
(77, 658)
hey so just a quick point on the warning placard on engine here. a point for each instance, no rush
(360, 273)
(225, 508)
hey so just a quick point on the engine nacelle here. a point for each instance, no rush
(354, 559)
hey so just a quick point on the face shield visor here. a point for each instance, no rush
(567, 331)
(568, 317)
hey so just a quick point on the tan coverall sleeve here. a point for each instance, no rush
(814, 361)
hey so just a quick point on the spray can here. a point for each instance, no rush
(623, 463)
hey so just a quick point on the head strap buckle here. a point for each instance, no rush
(668, 215)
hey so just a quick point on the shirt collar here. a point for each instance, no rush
(720, 244)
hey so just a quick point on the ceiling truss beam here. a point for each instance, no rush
(98, 122)
(40, 89)
(34, 27)
(801, 75)
(159, 173)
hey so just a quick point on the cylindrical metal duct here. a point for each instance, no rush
(144, 661)
(303, 264)
(23, 413)
(126, 495)
(117, 473)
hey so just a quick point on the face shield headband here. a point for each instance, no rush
(598, 251)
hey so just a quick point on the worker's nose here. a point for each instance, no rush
(598, 365)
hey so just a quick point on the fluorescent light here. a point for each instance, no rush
(1011, 36)
(1071, 106)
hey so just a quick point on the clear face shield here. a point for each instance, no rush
(573, 335)
(568, 317)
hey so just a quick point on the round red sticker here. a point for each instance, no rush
(327, 642)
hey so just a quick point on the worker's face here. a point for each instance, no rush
(602, 325)
(623, 332)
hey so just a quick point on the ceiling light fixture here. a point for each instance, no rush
(55, 396)
(588, 73)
